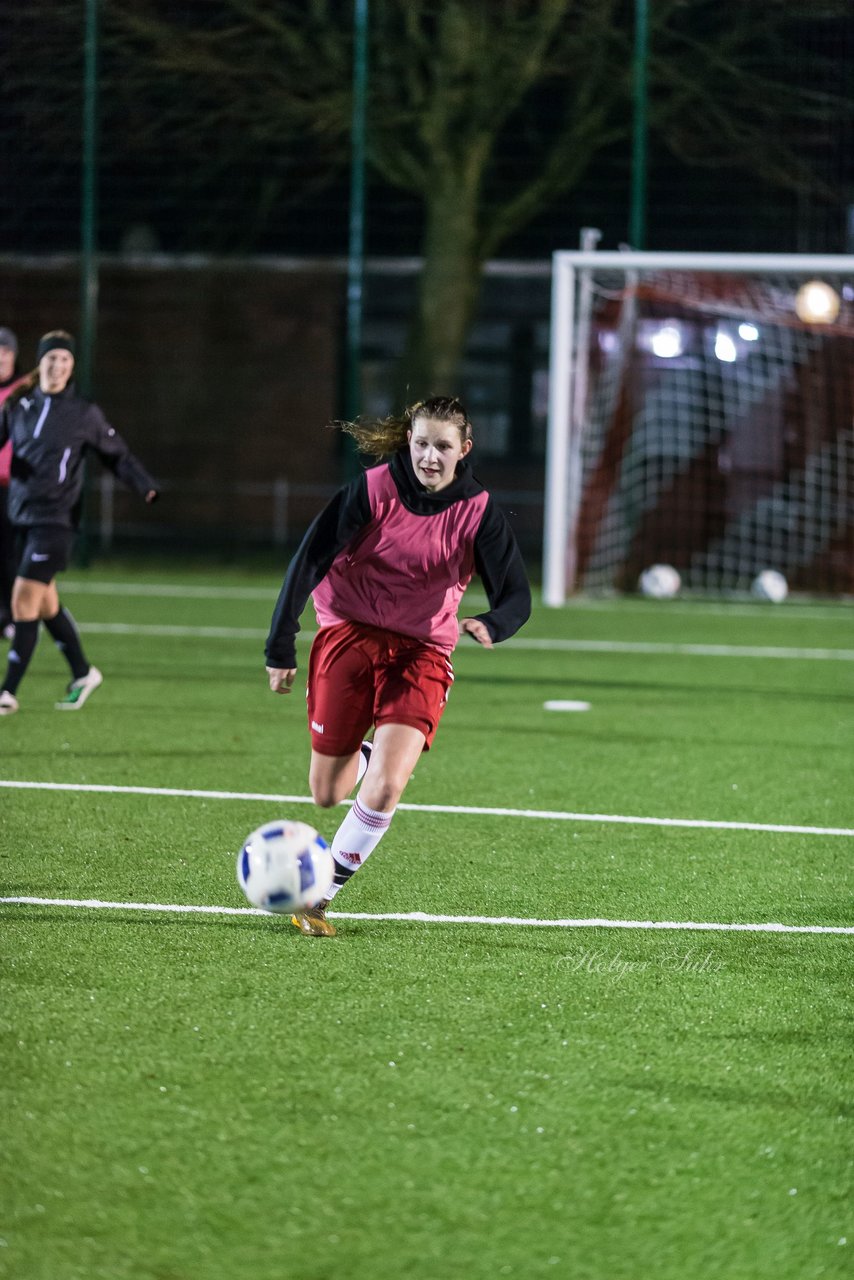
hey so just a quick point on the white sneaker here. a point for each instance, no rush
(80, 690)
(8, 703)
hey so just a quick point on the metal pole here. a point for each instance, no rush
(84, 362)
(557, 444)
(281, 493)
(637, 213)
(356, 248)
(108, 522)
(590, 237)
(88, 219)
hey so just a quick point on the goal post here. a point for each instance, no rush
(701, 414)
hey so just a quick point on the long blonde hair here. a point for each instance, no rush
(380, 437)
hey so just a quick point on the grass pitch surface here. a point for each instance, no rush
(207, 1096)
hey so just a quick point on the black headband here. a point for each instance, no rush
(53, 342)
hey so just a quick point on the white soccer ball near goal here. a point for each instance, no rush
(285, 866)
(770, 585)
(660, 582)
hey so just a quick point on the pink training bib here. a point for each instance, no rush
(404, 572)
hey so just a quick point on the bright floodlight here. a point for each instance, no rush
(667, 342)
(748, 332)
(817, 303)
(725, 347)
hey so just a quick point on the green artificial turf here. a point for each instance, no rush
(196, 1096)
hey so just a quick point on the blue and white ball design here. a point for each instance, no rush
(285, 866)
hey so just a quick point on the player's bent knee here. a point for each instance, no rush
(326, 791)
(324, 798)
(331, 778)
(382, 793)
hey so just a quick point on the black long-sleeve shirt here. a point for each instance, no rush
(51, 435)
(498, 561)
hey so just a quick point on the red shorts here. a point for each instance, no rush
(360, 676)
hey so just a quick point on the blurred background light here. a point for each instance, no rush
(725, 347)
(667, 342)
(817, 303)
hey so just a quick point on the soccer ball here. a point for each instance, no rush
(285, 866)
(770, 585)
(660, 582)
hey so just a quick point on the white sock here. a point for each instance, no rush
(355, 841)
(364, 760)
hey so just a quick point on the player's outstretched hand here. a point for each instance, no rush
(281, 679)
(477, 630)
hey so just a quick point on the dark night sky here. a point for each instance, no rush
(167, 191)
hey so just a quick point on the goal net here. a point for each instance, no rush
(701, 415)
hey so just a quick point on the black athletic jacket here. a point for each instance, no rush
(51, 435)
(497, 558)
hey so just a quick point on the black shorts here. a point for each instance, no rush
(45, 551)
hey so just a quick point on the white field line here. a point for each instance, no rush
(737, 606)
(692, 650)
(424, 917)
(479, 811)
(179, 631)
(165, 590)
(553, 646)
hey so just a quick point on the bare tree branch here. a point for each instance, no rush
(484, 110)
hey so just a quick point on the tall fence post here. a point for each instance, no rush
(88, 240)
(107, 522)
(281, 495)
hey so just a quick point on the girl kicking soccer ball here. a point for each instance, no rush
(387, 562)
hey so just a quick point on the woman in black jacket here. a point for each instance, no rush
(51, 430)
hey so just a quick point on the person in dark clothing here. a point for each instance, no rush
(9, 379)
(387, 563)
(51, 430)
